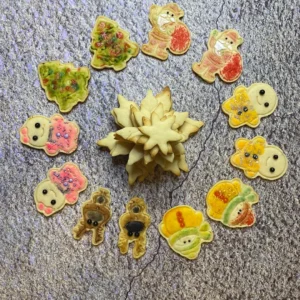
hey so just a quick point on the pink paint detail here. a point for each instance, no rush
(41, 206)
(51, 148)
(162, 45)
(24, 130)
(24, 137)
(64, 136)
(48, 210)
(69, 180)
(72, 197)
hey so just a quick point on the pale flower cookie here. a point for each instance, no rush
(96, 213)
(168, 32)
(111, 46)
(62, 186)
(53, 135)
(64, 83)
(133, 227)
(230, 202)
(257, 158)
(152, 134)
(222, 57)
(248, 105)
(185, 230)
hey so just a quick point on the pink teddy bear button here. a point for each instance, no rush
(62, 186)
(53, 135)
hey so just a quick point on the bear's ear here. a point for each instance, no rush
(240, 41)
(235, 160)
(240, 143)
(154, 11)
(214, 33)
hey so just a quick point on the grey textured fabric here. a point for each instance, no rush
(39, 259)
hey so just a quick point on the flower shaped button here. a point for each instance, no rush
(168, 32)
(257, 158)
(222, 57)
(61, 187)
(64, 84)
(53, 135)
(152, 134)
(111, 46)
(230, 202)
(248, 105)
(96, 213)
(133, 227)
(185, 230)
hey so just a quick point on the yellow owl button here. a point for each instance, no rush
(257, 158)
(185, 230)
(230, 202)
(248, 105)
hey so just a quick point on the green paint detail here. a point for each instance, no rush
(247, 195)
(182, 233)
(64, 84)
(226, 215)
(189, 250)
(194, 236)
(206, 232)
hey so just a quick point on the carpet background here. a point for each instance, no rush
(39, 259)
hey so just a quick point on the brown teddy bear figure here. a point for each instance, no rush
(168, 32)
(95, 214)
(134, 224)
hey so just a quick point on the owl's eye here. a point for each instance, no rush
(266, 104)
(35, 138)
(275, 156)
(100, 199)
(262, 92)
(136, 209)
(272, 170)
(37, 125)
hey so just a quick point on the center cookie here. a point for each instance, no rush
(152, 134)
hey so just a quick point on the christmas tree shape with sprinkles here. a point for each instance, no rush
(64, 83)
(111, 46)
